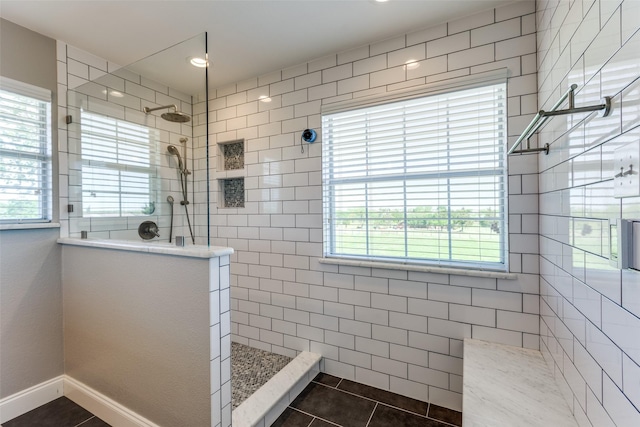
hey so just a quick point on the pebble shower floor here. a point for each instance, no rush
(250, 369)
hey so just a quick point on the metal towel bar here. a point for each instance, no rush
(542, 116)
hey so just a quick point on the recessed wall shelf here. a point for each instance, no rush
(232, 192)
(543, 116)
(231, 155)
(231, 174)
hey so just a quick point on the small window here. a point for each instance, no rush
(118, 167)
(420, 181)
(25, 153)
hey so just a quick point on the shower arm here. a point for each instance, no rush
(147, 110)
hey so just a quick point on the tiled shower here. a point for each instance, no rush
(402, 330)
(396, 330)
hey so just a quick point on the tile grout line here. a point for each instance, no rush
(314, 417)
(373, 400)
(389, 405)
(85, 421)
(371, 416)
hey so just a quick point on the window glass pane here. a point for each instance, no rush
(422, 180)
(25, 159)
(117, 166)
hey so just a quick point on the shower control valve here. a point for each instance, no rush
(148, 230)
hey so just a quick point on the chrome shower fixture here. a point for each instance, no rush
(148, 230)
(175, 116)
(172, 149)
(184, 173)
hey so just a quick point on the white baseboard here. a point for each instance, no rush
(97, 403)
(29, 399)
(102, 406)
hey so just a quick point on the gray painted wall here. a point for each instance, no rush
(30, 57)
(30, 287)
(137, 330)
(27, 56)
(30, 309)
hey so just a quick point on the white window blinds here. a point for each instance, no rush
(118, 167)
(419, 180)
(25, 153)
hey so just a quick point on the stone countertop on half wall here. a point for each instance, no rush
(192, 251)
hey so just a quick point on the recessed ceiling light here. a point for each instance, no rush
(113, 93)
(411, 64)
(197, 62)
(264, 98)
(381, 1)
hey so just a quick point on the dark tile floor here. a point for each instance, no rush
(61, 412)
(330, 401)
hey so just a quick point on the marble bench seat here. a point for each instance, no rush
(510, 386)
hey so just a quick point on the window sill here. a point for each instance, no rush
(420, 268)
(29, 226)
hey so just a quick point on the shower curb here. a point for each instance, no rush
(264, 406)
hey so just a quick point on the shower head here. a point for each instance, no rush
(175, 116)
(172, 149)
(170, 200)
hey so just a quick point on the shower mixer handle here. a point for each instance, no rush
(184, 202)
(148, 230)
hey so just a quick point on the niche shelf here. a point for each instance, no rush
(231, 173)
(232, 191)
(233, 155)
(230, 159)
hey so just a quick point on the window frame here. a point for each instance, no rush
(501, 174)
(44, 156)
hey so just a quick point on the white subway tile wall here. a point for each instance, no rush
(589, 311)
(220, 342)
(396, 330)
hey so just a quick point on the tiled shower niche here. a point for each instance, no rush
(231, 173)
(232, 192)
(232, 155)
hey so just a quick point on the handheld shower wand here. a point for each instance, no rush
(172, 149)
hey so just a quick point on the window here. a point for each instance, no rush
(25, 153)
(418, 181)
(118, 167)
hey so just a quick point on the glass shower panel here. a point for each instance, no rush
(122, 170)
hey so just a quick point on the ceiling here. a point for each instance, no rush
(246, 38)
